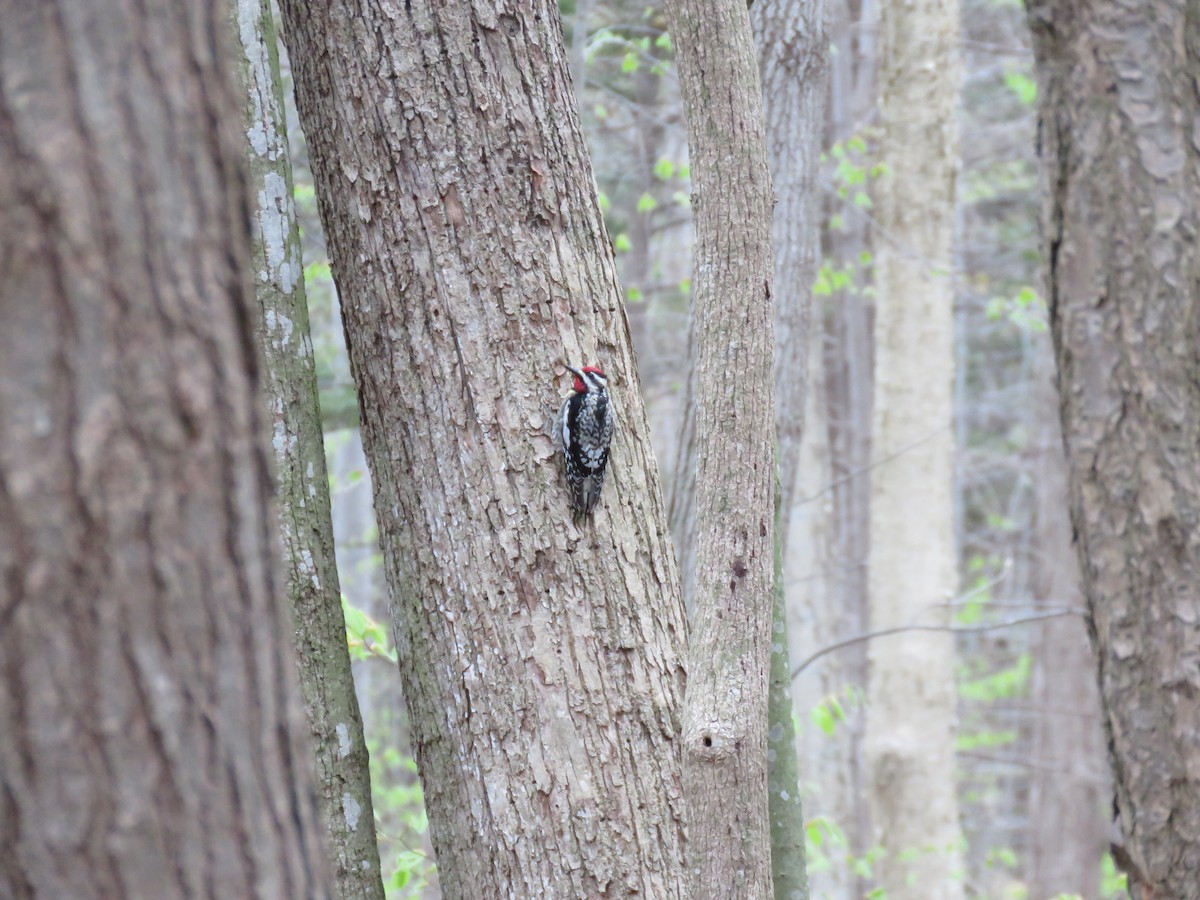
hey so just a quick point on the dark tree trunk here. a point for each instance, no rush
(151, 743)
(1121, 213)
(542, 664)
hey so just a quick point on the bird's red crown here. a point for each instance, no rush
(579, 386)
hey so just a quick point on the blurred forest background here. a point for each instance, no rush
(1032, 773)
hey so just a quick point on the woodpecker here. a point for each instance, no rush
(585, 427)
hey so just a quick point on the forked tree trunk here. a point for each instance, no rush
(732, 346)
(340, 750)
(153, 740)
(912, 697)
(542, 663)
(1118, 115)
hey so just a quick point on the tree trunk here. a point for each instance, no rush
(725, 713)
(793, 44)
(542, 664)
(1069, 831)
(1121, 209)
(912, 697)
(153, 736)
(342, 766)
(838, 499)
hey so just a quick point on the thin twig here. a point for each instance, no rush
(953, 629)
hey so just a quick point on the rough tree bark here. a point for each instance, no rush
(1069, 831)
(911, 715)
(152, 743)
(342, 765)
(542, 664)
(1121, 209)
(725, 712)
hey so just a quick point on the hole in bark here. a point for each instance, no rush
(707, 741)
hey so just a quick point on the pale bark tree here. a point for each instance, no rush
(1120, 212)
(911, 695)
(153, 738)
(340, 750)
(542, 664)
(733, 435)
(1068, 830)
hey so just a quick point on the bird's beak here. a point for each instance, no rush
(576, 372)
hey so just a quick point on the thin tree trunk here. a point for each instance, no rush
(342, 765)
(793, 59)
(542, 664)
(912, 697)
(152, 744)
(725, 712)
(847, 359)
(1121, 209)
(1069, 829)
(793, 42)
(789, 864)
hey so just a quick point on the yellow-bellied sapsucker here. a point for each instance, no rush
(585, 429)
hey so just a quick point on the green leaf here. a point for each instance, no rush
(822, 287)
(633, 295)
(664, 169)
(1022, 85)
(1026, 297)
(984, 740)
(663, 41)
(621, 244)
(317, 271)
(823, 719)
(1009, 682)
(603, 198)
(629, 63)
(646, 203)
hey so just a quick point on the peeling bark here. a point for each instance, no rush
(152, 741)
(542, 664)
